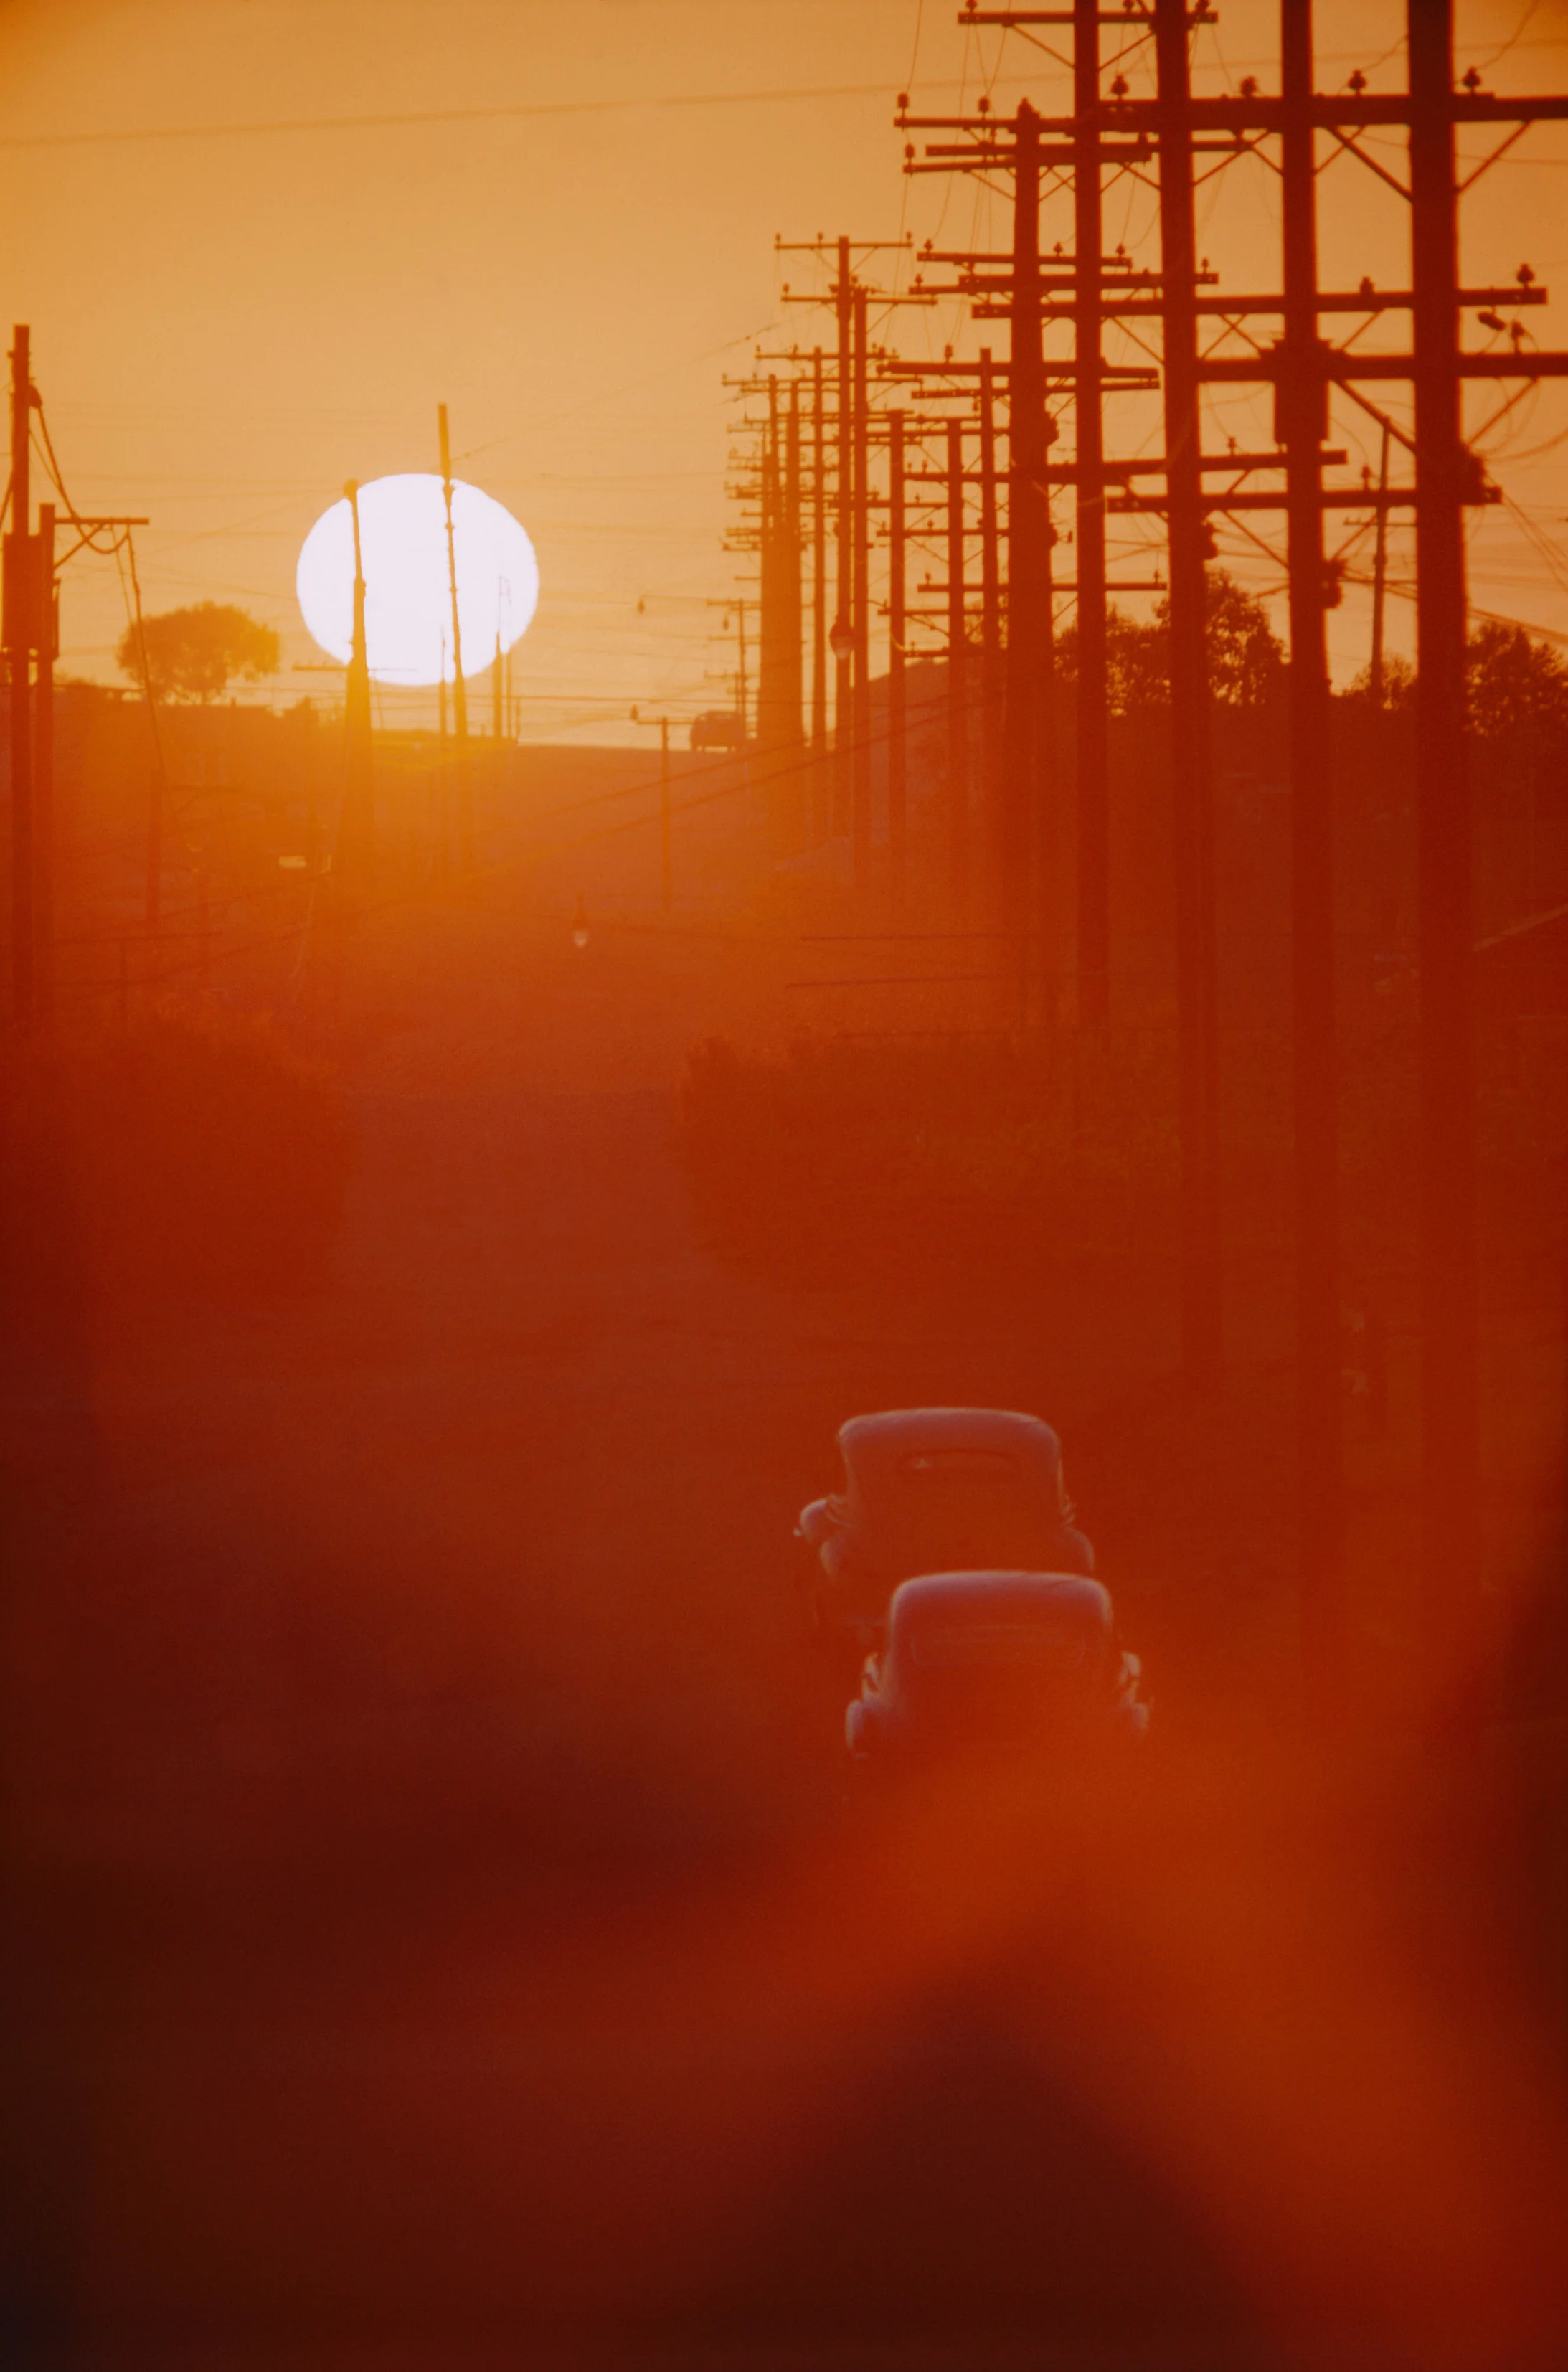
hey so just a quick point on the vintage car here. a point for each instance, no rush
(996, 1662)
(935, 1489)
(718, 728)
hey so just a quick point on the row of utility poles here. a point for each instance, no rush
(863, 398)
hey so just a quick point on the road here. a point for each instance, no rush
(438, 1929)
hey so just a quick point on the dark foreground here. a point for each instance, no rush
(435, 1935)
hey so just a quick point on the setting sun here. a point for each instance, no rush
(407, 615)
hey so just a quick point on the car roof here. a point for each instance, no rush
(896, 1433)
(1061, 1599)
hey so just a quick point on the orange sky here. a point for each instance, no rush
(227, 323)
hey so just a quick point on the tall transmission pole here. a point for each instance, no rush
(1030, 658)
(1301, 402)
(860, 613)
(1093, 739)
(898, 637)
(21, 595)
(958, 675)
(1197, 965)
(843, 634)
(459, 690)
(356, 832)
(47, 629)
(1380, 575)
(1449, 1286)
(822, 819)
(991, 789)
(666, 858)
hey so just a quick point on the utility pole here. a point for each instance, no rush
(459, 690)
(1203, 1328)
(48, 634)
(1450, 1326)
(157, 783)
(957, 676)
(667, 870)
(20, 599)
(860, 619)
(990, 638)
(822, 819)
(1302, 406)
(356, 830)
(460, 693)
(1093, 742)
(780, 731)
(790, 573)
(1380, 575)
(843, 634)
(1029, 738)
(898, 682)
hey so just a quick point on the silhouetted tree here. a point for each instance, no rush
(1247, 658)
(1515, 684)
(1514, 681)
(194, 654)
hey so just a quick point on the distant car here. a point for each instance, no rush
(718, 728)
(936, 1490)
(996, 1662)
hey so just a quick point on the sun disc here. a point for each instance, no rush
(408, 601)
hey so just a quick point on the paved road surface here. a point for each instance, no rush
(438, 1926)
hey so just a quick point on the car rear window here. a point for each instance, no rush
(992, 1465)
(972, 1644)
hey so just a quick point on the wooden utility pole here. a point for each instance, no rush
(791, 556)
(898, 638)
(459, 690)
(957, 676)
(1028, 720)
(1203, 1326)
(666, 865)
(20, 597)
(989, 642)
(843, 634)
(47, 628)
(1379, 576)
(1302, 408)
(460, 693)
(1093, 741)
(860, 612)
(1449, 1286)
(356, 830)
(822, 816)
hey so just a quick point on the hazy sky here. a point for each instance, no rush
(238, 299)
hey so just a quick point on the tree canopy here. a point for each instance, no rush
(1514, 682)
(195, 653)
(1247, 658)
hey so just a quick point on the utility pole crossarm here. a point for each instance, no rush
(1341, 364)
